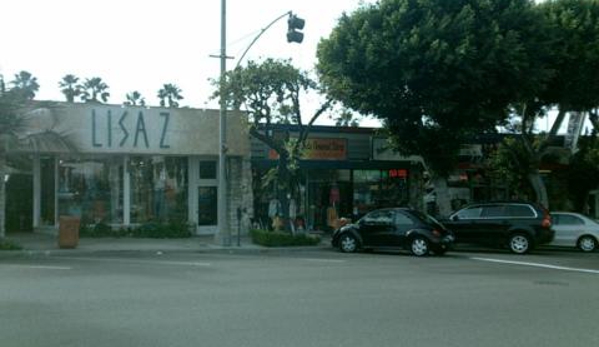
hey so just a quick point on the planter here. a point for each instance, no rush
(68, 231)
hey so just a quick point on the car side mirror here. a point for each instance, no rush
(454, 218)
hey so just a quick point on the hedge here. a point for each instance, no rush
(7, 245)
(170, 230)
(282, 239)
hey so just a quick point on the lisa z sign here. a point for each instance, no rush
(128, 129)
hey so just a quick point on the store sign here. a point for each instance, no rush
(320, 149)
(129, 129)
(398, 173)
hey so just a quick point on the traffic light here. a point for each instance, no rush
(294, 23)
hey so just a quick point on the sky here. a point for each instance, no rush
(143, 44)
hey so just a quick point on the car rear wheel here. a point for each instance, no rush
(519, 243)
(419, 246)
(348, 243)
(587, 243)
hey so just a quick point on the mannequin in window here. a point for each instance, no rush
(274, 212)
(332, 215)
(159, 189)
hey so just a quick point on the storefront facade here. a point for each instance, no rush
(347, 172)
(135, 165)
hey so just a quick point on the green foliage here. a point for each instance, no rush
(434, 70)
(7, 245)
(281, 239)
(70, 88)
(25, 84)
(574, 26)
(170, 95)
(135, 99)
(583, 172)
(170, 230)
(269, 92)
(94, 88)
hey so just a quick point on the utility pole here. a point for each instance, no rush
(223, 234)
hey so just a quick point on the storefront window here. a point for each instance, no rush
(366, 191)
(158, 189)
(379, 188)
(329, 198)
(91, 188)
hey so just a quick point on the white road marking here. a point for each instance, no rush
(39, 267)
(143, 262)
(545, 266)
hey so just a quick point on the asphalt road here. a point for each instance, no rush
(312, 298)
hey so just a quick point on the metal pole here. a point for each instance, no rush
(223, 235)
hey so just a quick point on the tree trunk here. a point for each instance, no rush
(442, 192)
(2, 196)
(539, 187)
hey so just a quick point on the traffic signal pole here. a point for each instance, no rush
(223, 235)
(292, 27)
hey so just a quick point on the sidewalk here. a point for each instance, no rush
(48, 244)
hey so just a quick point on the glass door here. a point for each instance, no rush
(207, 206)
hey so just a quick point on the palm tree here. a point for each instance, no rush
(69, 86)
(25, 84)
(169, 95)
(93, 88)
(135, 99)
(16, 110)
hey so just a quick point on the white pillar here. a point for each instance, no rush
(37, 192)
(126, 192)
(56, 178)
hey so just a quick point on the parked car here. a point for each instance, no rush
(575, 230)
(520, 226)
(394, 228)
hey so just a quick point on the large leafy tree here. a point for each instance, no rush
(170, 95)
(270, 93)
(16, 133)
(574, 27)
(94, 88)
(435, 71)
(70, 87)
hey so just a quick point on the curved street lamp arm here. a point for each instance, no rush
(260, 34)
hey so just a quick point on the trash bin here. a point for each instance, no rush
(68, 231)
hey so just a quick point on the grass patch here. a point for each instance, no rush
(7, 245)
(282, 239)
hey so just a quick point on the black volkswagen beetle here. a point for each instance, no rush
(395, 228)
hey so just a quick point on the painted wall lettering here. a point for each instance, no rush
(124, 129)
(166, 117)
(95, 143)
(147, 131)
(141, 128)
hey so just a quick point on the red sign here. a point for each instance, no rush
(319, 149)
(398, 173)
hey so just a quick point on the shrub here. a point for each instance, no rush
(281, 239)
(171, 229)
(6, 245)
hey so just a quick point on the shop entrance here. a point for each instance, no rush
(329, 197)
(207, 206)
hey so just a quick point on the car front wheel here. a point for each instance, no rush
(519, 244)
(587, 244)
(348, 243)
(419, 246)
